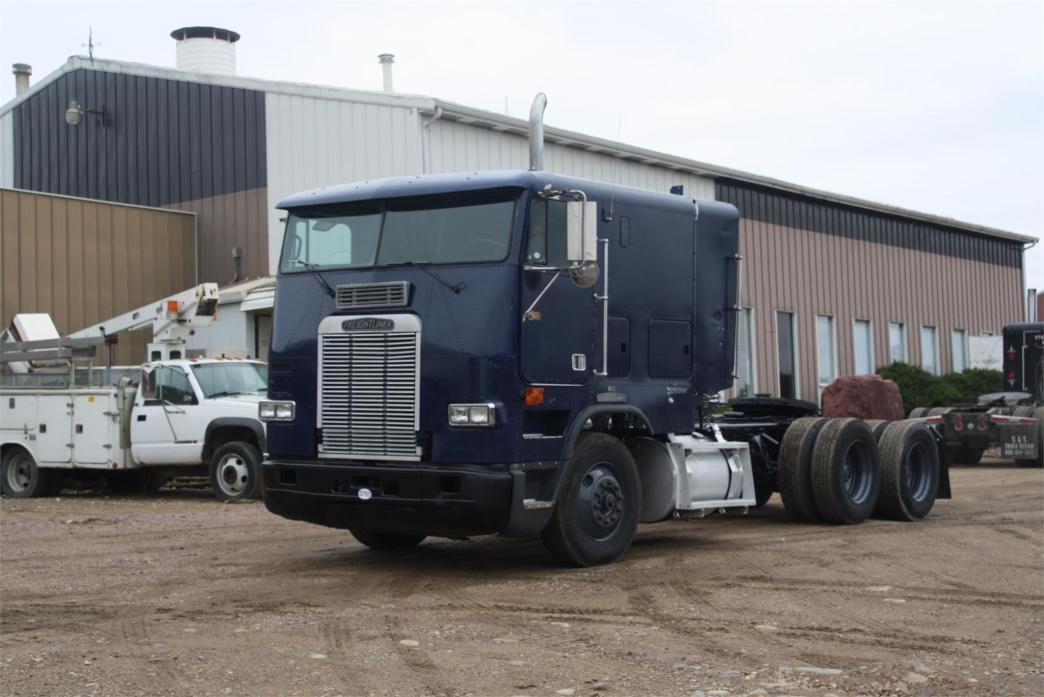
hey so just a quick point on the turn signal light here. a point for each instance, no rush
(173, 306)
(534, 396)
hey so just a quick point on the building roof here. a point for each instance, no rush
(503, 123)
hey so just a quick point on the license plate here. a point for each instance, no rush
(1018, 441)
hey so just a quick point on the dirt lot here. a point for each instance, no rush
(180, 595)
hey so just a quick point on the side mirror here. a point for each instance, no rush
(581, 232)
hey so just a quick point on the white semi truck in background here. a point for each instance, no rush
(137, 426)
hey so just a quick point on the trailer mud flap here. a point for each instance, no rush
(1018, 441)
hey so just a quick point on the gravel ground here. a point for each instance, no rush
(179, 595)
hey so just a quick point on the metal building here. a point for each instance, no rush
(831, 285)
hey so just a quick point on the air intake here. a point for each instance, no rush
(360, 296)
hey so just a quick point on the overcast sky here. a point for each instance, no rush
(935, 106)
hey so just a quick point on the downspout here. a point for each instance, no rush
(536, 133)
(426, 140)
(1025, 282)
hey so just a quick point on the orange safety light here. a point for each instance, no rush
(173, 306)
(534, 396)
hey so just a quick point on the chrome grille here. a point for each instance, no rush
(369, 394)
(356, 296)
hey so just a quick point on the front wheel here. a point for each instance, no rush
(235, 472)
(597, 509)
(20, 478)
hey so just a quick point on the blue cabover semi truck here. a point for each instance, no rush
(523, 353)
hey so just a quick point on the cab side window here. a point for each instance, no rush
(172, 386)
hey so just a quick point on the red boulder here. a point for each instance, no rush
(863, 397)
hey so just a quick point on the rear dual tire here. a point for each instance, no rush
(21, 478)
(846, 473)
(909, 471)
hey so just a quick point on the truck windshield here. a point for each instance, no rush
(218, 379)
(426, 231)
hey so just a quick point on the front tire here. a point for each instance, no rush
(20, 478)
(235, 472)
(597, 512)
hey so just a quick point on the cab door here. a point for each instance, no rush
(558, 330)
(167, 422)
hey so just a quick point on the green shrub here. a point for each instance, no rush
(918, 387)
(974, 382)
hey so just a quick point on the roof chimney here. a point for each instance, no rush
(21, 71)
(386, 60)
(206, 49)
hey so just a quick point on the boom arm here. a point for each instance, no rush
(173, 320)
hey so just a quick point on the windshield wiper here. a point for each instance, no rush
(455, 287)
(223, 394)
(318, 275)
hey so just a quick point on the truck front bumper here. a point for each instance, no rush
(440, 500)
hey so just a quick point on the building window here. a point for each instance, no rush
(745, 383)
(826, 350)
(959, 342)
(929, 349)
(897, 342)
(863, 344)
(787, 347)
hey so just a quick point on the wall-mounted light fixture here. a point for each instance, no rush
(75, 113)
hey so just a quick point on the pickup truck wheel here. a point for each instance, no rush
(846, 471)
(909, 472)
(20, 478)
(235, 472)
(386, 540)
(795, 468)
(596, 514)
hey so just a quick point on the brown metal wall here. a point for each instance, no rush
(859, 265)
(227, 221)
(84, 261)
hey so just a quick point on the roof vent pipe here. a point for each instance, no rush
(21, 71)
(536, 132)
(206, 49)
(386, 60)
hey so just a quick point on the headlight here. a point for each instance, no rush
(482, 415)
(276, 411)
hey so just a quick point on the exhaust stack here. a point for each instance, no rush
(21, 71)
(387, 59)
(536, 132)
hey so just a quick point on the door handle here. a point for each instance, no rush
(141, 417)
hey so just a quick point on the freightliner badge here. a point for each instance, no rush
(367, 324)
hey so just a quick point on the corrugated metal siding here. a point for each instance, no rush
(314, 142)
(167, 140)
(458, 147)
(7, 150)
(812, 258)
(168, 143)
(851, 223)
(84, 261)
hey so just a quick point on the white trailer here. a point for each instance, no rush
(138, 426)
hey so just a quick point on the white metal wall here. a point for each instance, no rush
(313, 142)
(456, 147)
(7, 150)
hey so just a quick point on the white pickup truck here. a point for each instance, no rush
(163, 419)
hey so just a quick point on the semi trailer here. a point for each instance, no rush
(136, 426)
(1011, 420)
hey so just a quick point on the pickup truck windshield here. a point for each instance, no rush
(217, 379)
(367, 235)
